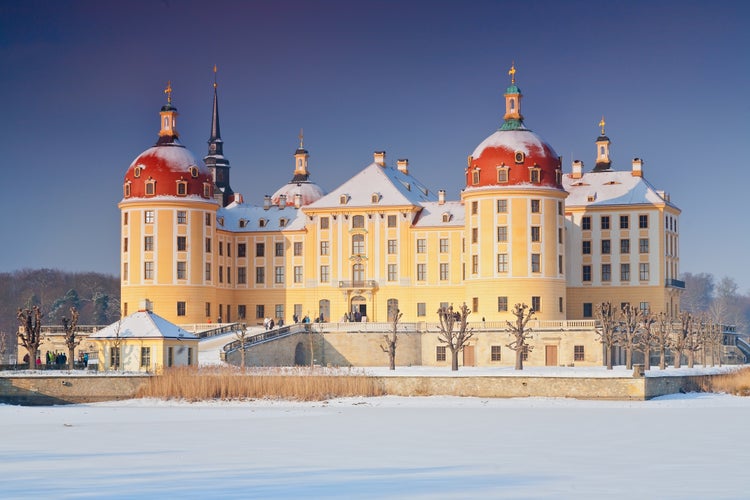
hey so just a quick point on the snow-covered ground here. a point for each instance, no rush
(683, 446)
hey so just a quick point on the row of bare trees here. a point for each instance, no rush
(30, 333)
(634, 330)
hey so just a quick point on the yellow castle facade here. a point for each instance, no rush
(523, 231)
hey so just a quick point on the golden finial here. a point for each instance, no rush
(301, 137)
(214, 76)
(512, 73)
(602, 124)
(168, 91)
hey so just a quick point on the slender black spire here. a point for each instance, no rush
(215, 160)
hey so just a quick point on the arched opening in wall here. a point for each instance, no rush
(324, 310)
(359, 308)
(301, 356)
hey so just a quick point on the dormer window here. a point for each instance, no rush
(181, 188)
(591, 198)
(193, 172)
(150, 187)
(447, 216)
(502, 174)
(243, 223)
(206, 189)
(137, 172)
(221, 221)
(343, 199)
(262, 222)
(126, 189)
(375, 198)
(475, 176)
(282, 222)
(535, 174)
(519, 157)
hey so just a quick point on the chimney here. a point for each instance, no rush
(379, 158)
(577, 169)
(441, 197)
(637, 167)
(282, 201)
(403, 165)
(266, 202)
(297, 200)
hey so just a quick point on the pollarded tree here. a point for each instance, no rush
(454, 331)
(30, 332)
(390, 340)
(520, 332)
(629, 322)
(679, 338)
(241, 336)
(606, 329)
(646, 337)
(662, 337)
(693, 342)
(69, 327)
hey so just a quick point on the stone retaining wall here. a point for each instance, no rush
(67, 389)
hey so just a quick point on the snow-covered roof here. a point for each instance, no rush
(309, 191)
(523, 140)
(611, 188)
(242, 218)
(434, 214)
(143, 325)
(393, 187)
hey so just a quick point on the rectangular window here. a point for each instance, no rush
(586, 247)
(624, 272)
(624, 222)
(145, 357)
(181, 270)
(502, 175)
(208, 271)
(221, 248)
(502, 206)
(535, 207)
(475, 304)
(229, 249)
(502, 304)
(474, 234)
(180, 309)
(148, 216)
(148, 243)
(534, 175)
(324, 223)
(221, 274)
(502, 234)
(124, 244)
(443, 245)
(421, 245)
(260, 311)
(443, 271)
(495, 353)
(324, 274)
(525, 353)
(260, 249)
(502, 262)
(297, 248)
(474, 207)
(421, 309)
(392, 272)
(421, 272)
(148, 270)
(208, 245)
(208, 309)
(391, 221)
(606, 247)
(125, 219)
(536, 234)
(586, 223)
(324, 248)
(536, 303)
(181, 243)
(208, 219)
(605, 222)
(624, 246)
(298, 274)
(279, 249)
(586, 274)
(644, 307)
(643, 221)
(114, 357)
(260, 275)
(242, 275)
(559, 235)
(536, 266)
(474, 264)
(643, 271)
(229, 277)
(392, 246)
(440, 353)
(606, 272)
(279, 311)
(241, 250)
(181, 217)
(170, 356)
(643, 245)
(578, 353)
(278, 275)
(125, 271)
(241, 311)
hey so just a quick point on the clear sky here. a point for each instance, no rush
(82, 83)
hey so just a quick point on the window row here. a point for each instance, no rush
(605, 222)
(606, 246)
(588, 308)
(181, 188)
(606, 272)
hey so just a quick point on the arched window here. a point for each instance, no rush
(358, 244)
(358, 221)
(512, 104)
(150, 187)
(181, 188)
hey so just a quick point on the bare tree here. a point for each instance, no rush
(454, 339)
(628, 329)
(30, 332)
(679, 336)
(693, 342)
(646, 337)
(390, 340)
(520, 332)
(116, 355)
(241, 336)
(608, 319)
(69, 327)
(662, 337)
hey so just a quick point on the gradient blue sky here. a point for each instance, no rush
(82, 83)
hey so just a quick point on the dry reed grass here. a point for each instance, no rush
(302, 384)
(737, 383)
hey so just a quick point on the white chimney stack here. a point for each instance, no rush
(297, 200)
(379, 158)
(441, 197)
(282, 201)
(577, 169)
(637, 167)
(266, 202)
(403, 165)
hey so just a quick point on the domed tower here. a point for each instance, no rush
(167, 220)
(514, 233)
(300, 191)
